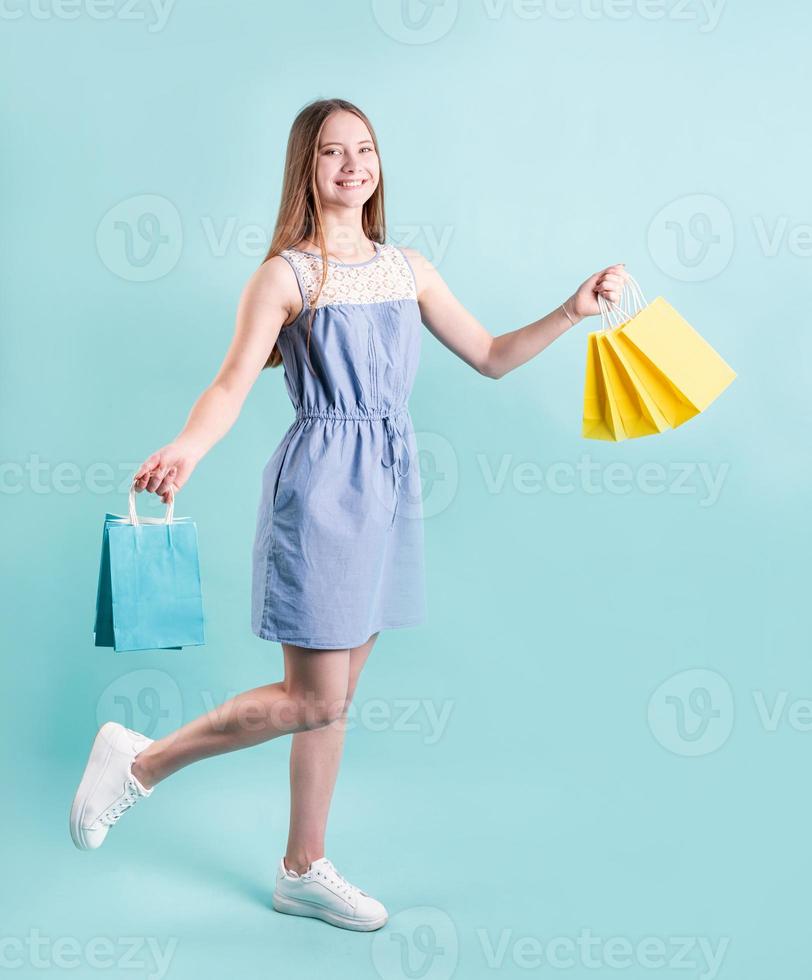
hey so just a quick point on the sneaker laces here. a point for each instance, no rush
(131, 796)
(341, 882)
(343, 886)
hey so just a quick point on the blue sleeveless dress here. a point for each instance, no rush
(338, 550)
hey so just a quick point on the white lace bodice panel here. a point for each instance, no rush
(387, 276)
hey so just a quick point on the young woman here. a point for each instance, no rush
(338, 551)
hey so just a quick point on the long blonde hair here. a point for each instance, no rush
(300, 212)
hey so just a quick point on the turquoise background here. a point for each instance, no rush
(624, 676)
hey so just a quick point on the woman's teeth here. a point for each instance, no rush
(350, 183)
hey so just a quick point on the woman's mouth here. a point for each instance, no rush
(352, 184)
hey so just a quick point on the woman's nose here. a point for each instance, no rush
(353, 163)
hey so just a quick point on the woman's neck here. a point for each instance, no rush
(342, 248)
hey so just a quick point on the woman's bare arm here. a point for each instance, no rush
(493, 356)
(269, 299)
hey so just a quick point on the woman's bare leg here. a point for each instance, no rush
(312, 694)
(314, 760)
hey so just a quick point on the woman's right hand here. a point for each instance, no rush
(172, 464)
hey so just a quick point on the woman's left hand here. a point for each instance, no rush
(608, 282)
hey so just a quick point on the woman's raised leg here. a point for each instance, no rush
(124, 765)
(311, 695)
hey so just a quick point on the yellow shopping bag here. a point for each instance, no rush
(613, 407)
(601, 419)
(647, 370)
(673, 408)
(658, 339)
(638, 411)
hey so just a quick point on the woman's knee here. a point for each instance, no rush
(315, 708)
(316, 684)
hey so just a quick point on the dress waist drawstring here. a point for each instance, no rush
(400, 457)
(394, 426)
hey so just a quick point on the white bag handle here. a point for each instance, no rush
(632, 287)
(169, 511)
(614, 314)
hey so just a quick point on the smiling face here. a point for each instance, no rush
(347, 167)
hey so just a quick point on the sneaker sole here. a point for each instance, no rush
(293, 906)
(97, 763)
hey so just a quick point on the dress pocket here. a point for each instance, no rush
(279, 483)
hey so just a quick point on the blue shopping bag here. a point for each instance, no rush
(149, 594)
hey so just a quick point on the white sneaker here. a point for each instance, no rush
(108, 787)
(323, 893)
